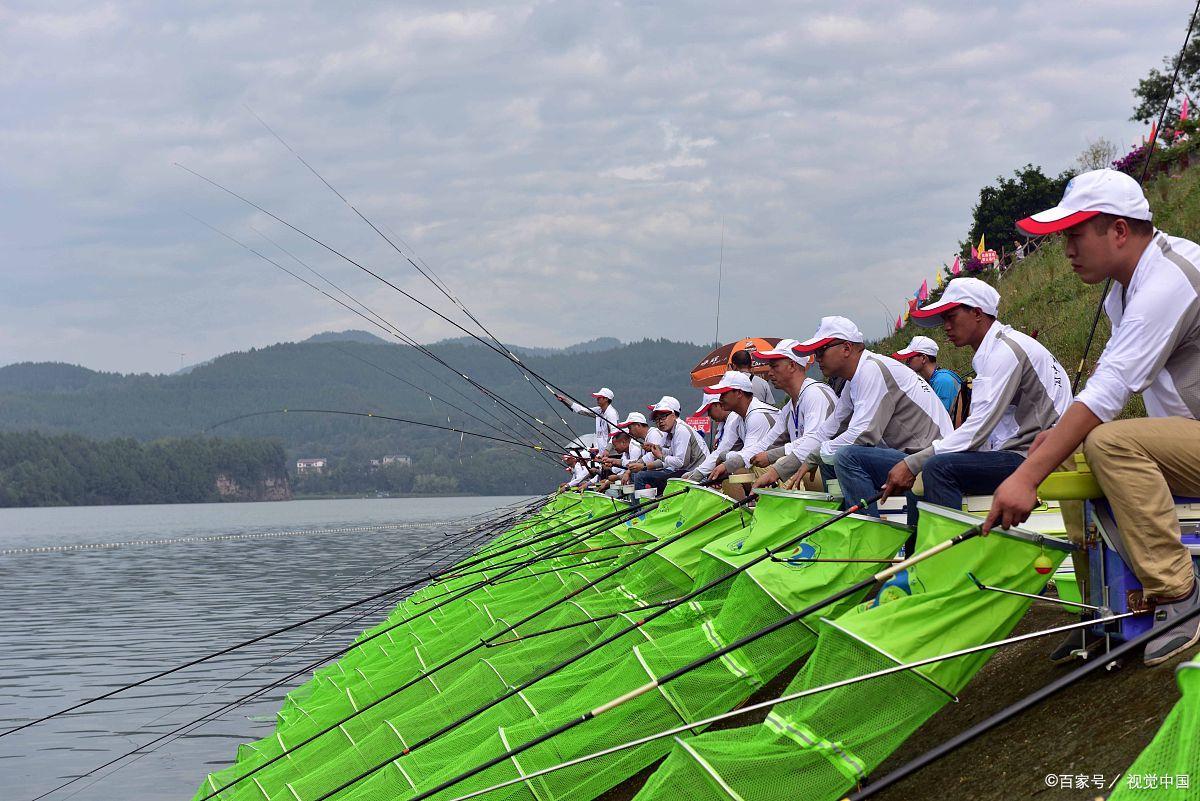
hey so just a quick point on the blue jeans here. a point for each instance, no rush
(654, 478)
(950, 476)
(862, 470)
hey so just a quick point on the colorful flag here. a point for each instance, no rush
(1153, 132)
(899, 322)
(923, 292)
(941, 280)
(982, 247)
(956, 268)
(1183, 111)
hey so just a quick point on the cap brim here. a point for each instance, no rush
(931, 316)
(721, 390)
(705, 408)
(1053, 220)
(904, 355)
(805, 348)
(769, 356)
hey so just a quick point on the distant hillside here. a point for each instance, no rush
(350, 376)
(591, 346)
(351, 335)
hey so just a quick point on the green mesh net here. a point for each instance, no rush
(1169, 768)
(820, 746)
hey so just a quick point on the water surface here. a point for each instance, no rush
(92, 598)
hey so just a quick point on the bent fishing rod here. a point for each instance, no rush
(425, 674)
(588, 650)
(339, 254)
(392, 331)
(1087, 347)
(154, 745)
(788, 697)
(439, 284)
(248, 642)
(1013, 710)
(666, 678)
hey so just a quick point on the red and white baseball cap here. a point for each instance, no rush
(709, 400)
(1088, 194)
(959, 292)
(784, 350)
(631, 418)
(730, 381)
(919, 344)
(603, 392)
(830, 330)
(665, 404)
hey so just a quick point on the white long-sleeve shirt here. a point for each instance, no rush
(762, 389)
(884, 404)
(798, 417)
(684, 448)
(606, 421)
(632, 454)
(1019, 390)
(579, 475)
(729, 437)
(1155, 344)
(759, 423)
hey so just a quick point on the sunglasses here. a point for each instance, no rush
(820, 352)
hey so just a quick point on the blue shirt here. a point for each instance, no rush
(945, 383)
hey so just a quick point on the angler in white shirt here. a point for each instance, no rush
(758, 420)
(580, 475)
(729, 434)
(645, 435)
(1154, 307)
(1020, 390)
(743, 361)
(603, 412)
(809, 403)
(885, 413)
(682, 451)
(627, 451)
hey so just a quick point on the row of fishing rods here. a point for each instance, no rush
(510, 424)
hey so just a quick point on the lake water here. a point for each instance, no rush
(93, 598)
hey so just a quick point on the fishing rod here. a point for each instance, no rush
(796, 696)
(394, 330)
(1012, 710)
(500, 351)
(439, 284)
(375, 416)
(387, 327)
(643, 607)
(613, 637)
(236, 646)
(1087, 348)
(224, 708)
(666, 678)
(477, 646)
(528, 564)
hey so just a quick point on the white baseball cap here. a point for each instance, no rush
(959, 292)
(709, 400)
(732, 380)
(784, 350)
(830, 329)
(665, 404)
(603, 392)
(923, 345)
(1088, 194)
(631, 418)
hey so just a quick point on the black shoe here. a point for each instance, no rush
(1076, 645)
(1175, 639)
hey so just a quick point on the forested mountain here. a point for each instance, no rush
(352, 376)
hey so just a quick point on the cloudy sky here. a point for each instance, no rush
(566, 167)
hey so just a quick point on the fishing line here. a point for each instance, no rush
(1087, 348)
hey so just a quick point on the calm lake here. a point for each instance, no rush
(97, 597)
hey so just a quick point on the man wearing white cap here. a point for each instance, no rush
(743, 361)
(604, 412)
(921, 357)
(626, 451)
(809, 403)
(679, 454)
(1020, 390)
(640, 431)
(580, 475)
(728, 436)
(885, 413)
(1155, 350)
(758, 418)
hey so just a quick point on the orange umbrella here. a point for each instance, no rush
(714, 365)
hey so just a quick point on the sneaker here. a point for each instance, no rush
(1078, 644)
(1175, 638)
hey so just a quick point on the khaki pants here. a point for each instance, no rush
(1139, 464)
(739, 487)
